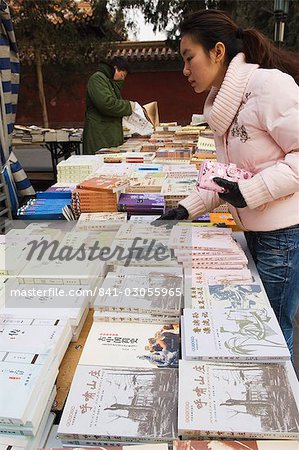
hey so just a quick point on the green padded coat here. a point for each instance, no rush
(104, 111)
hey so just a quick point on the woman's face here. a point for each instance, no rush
(203, 70)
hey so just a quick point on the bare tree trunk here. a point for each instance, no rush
(41, 92)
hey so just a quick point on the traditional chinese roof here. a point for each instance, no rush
(144, 51)
(143, 56)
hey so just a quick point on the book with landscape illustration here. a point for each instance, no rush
(121, 404)
(234, 334)
(238, 400)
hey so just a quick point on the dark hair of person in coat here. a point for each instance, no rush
(209, 26)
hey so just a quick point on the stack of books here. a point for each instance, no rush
(27, 135)
(206, 247)
(73, 259)
(57, 191)
(31, 354)
(101, 221)
(234, 355)
(176, 189)
(141, 204)
(180, 170)
(22, 302)
(152, 295)
(173, 154)
(43, 208)
(148, 183)
(98, 194)
(219, 396)
(139, 158)
(123, 387)
(77, 168)
(64, 135)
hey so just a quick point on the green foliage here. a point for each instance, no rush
(62, 31)
(167, 14)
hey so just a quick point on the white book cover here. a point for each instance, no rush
(76, 256)
(33, 337)
(178, 186)
(239, 334)
(123, 316)
(217, 276)
(197, 264)
(46, 301)
(9, 442)
(228, 296)
(132, 345)
(52, 347)
(148, 252)
(20, 374)
(101, 221)
(138, 123)
(202, 238)
(150, 271)
(44, 395)
(83, 271)
(130, 404)
(142, 231)
(143, 219)
(249, 400)
(202, 258)
(151, 293)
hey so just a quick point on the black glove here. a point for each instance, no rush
(232, 192)
(175, 214)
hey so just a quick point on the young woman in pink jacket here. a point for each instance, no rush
(253, 110)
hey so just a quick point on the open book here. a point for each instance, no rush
(143, 119)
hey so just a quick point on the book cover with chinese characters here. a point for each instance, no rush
(49, 301)
(143, 231)
(236, 334)
(62, 265)
(45, 395)
(132, 345)
(131, 317)
(149, 252)
(9, 442)
(231, 296)
(33, 337)
(20, 375)
(152, 292)
(194, 238)
(122, 404)
(249, 400)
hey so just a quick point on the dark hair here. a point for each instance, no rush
(209, 26)
(121, 63)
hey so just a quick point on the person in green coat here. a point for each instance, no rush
(105, 107)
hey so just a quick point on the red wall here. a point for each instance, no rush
(66, 105)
